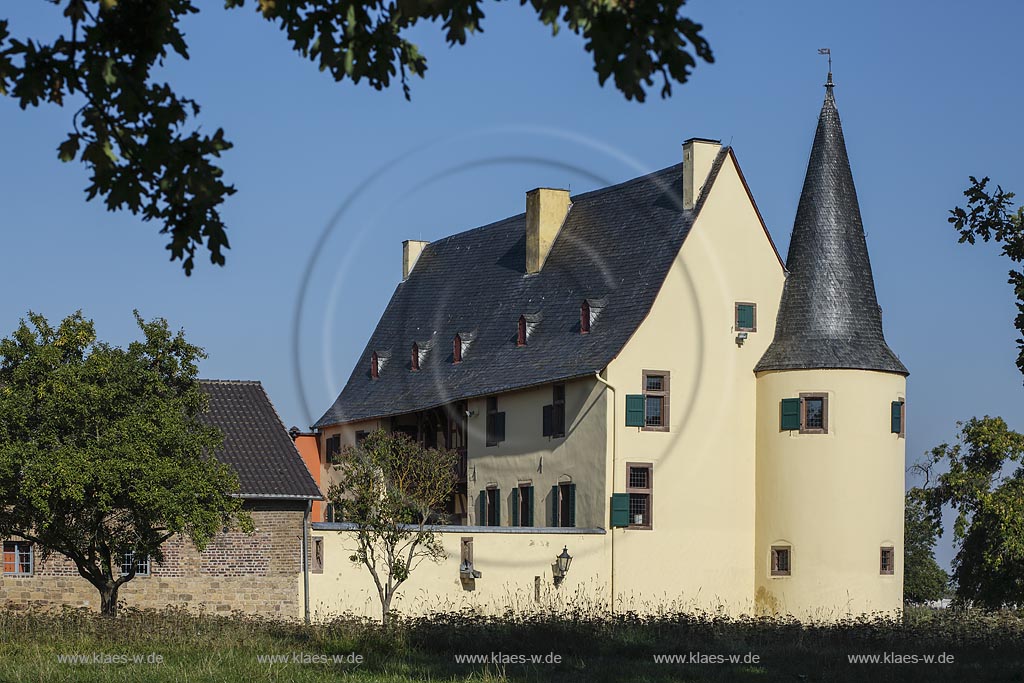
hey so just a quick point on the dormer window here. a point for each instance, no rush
(584, 317)
(457, 349)
(527, 324)
(374, 366)
(414, 361)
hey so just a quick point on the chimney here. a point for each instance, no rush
(545, 212)
(411, 250)
(698, 156)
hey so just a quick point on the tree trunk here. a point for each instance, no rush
(385, 607)
(108, 599)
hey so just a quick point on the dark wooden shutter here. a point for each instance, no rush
(497, 507)
(529, 507)
(548, 420)
(499, 427)
(635, 410)
(482, 506)
(558, 419)
(515, 506)
(572, 505)
(554, 506)
(897, 417)
(790, 414)
(620, 510)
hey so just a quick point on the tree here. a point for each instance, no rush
(988, 568)
(391, 487)
(102, 452)
(990, 216)
(140, 140)
(923, 578)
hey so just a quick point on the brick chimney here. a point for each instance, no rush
(411, 250)
(546, 209)
(698, 156)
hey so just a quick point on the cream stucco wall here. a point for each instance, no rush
(836, 498)
(527, 456)
(510, 564)
(699, 551)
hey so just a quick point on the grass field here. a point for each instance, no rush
(984, 647)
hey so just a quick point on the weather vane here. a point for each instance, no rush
(826, 51)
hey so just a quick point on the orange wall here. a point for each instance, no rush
(309, 448)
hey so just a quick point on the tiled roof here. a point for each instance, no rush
(829, 316)
(615, 247)
(256, 443)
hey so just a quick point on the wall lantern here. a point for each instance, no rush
(561, 566)
(740, 338)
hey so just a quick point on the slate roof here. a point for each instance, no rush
(616, 244)
(256, 443)
(829, 315)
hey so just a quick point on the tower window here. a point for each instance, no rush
(746, 317)
(656, 403)
(521, 334)
(887, 560)
(457, 349)
(813, 413)
(584, 317)
(414, 361)
(781, 560)
(374, 366)
(899, 418)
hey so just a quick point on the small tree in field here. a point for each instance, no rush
(390, 488)
(102, 453)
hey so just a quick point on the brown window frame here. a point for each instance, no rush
(374, 366)
(664, 394)
(892, 560)
(648, 491)
(414, 361)
(457, 349)
(521, 331)
(804, 429)
(585, 317)
(736, 317)
(774, 563)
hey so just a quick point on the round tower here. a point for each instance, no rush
(830, 414)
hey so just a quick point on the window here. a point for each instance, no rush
(490, 506)
(374, 366)
(521, 333)
(333, 448)
(317, 560)
(414, 360)
(656, 393)
(18, 558)
(638, 485)
(899, 418)
(554, 414)
(746, 317)
(563, 504)
(495, 422)
(457, 349)
(781, 560)
(130, 558)
(522, 505)
(887, 561)
(585, 317)
(813, 414)
(360, 437)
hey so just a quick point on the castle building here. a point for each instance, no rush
(606, 366)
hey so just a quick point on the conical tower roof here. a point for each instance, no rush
(829, 315)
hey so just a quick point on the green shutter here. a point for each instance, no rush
(554, 505)
(529, 507)
(790, 414)
(635, 410)
(481, 504)
(620, 509)
(572, 506)
(745, 316)
(897, 417)
(497, 507)
(515, 506)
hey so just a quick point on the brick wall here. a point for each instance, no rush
(259, 573)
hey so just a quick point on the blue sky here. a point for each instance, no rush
(921, 87)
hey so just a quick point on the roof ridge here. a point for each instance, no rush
(229, 381)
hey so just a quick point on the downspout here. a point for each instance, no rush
(611, 531)
(305, 560)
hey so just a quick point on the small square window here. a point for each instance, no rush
(887, 561)
(130, 558)
(781, 564)
(813, 414)
(746, 317)
(18, 558)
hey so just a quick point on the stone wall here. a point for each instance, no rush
(258, 573)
